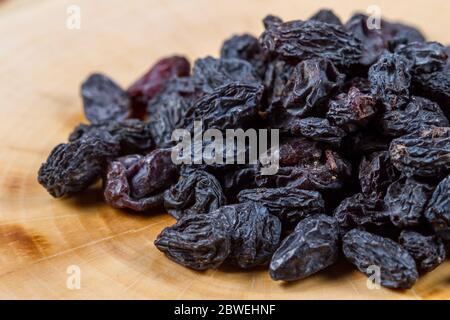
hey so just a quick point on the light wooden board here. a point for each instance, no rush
(42, 64)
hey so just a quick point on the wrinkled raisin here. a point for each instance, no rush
(438, 209)
(424, 153)
(427, 251)
(312, 247)
(104, 100)
(390, 79)
(196, 192)
(154, 80)
(298, 40)
(365, 250)
(289, 204)
(74, 166)
(406, 200)
(140, 185)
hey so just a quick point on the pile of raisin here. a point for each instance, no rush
(364, 152)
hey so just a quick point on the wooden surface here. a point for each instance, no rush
(42, 65)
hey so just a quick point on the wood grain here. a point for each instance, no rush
(42, 66)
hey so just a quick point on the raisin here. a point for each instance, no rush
(305, 166)
(234, 105)
(361, 211)
(318, 129)
(200, 241)
(118, 189)
(299, 151)
(436, 87)
(351, 111)
(397, 268)
(418, 113)
(245, 47)
(133, 135)
(427, 251)
(271, 21)
(299, 41)
(424, 153)
(255, 234)
(289, 204)
(216, 159)
(376, 173)
(376, 40)
(326, 16)
(390, 80)
(372, 40)
(322, 178)
(104, 100)
(426, 57)
(72, 167)
(438, 209)
(183, 87)
(277, 74)
(155, 79)
(168, 108)
(404, 34)
(152, 173)
(406, 200)
(312, 247)
(196, 192)
(309, 86)
(210, 74)
(168, 118)
(140, 185)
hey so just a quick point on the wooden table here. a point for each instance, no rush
(42, 66)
